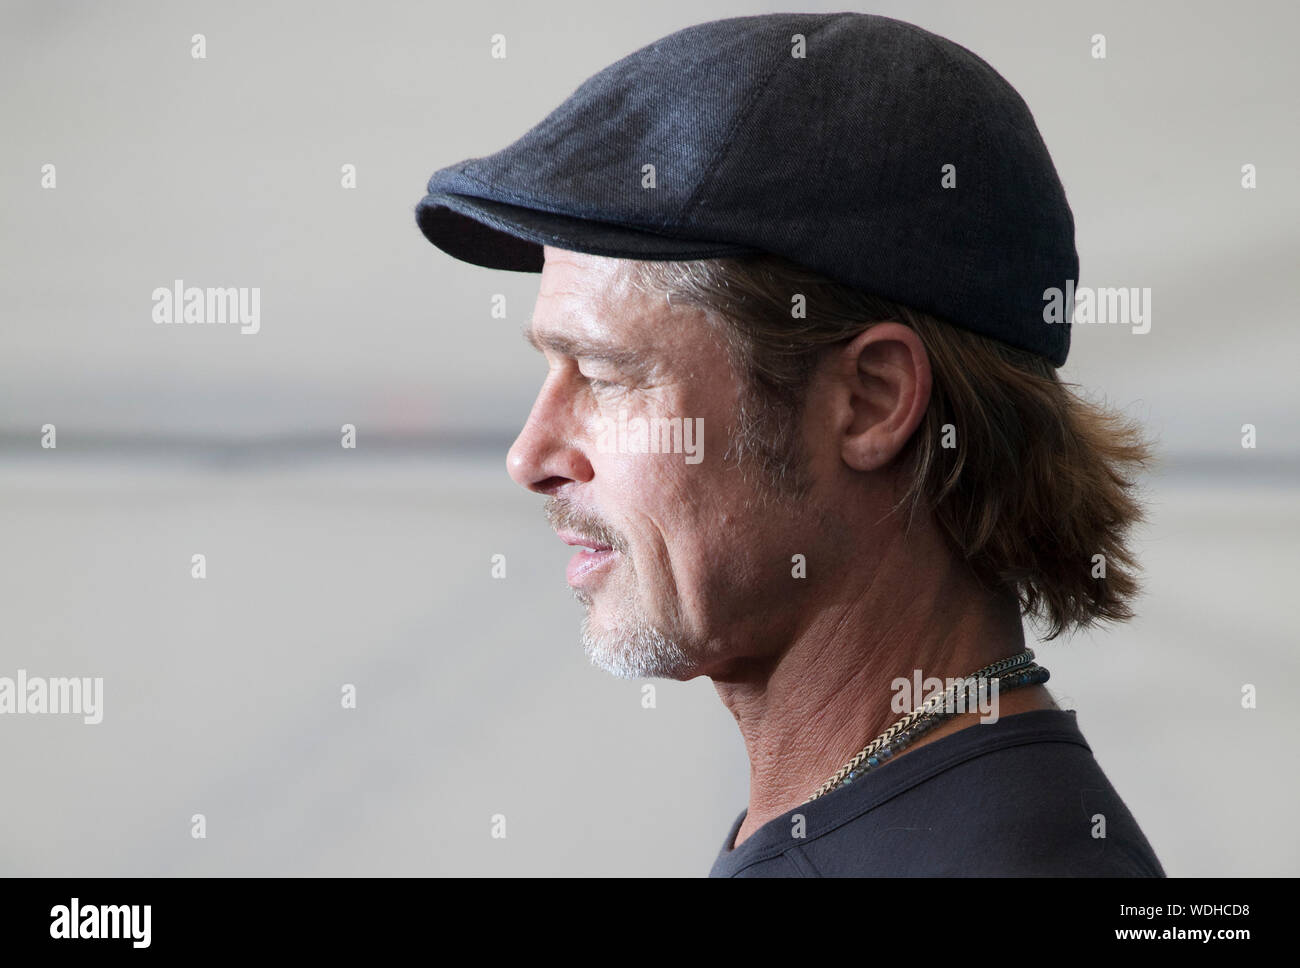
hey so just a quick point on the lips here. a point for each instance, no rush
(572, 538)
(594, 557)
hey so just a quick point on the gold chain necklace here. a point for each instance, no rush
(1020, 669)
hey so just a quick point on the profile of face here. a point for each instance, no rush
(690, 567)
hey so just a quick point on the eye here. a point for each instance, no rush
(597, 384)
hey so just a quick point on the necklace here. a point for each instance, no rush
(1009, 673)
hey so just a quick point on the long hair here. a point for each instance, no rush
(1032, 485)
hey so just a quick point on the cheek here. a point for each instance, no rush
(652, 495)
(647, 453)
(658, 504)
(675, 508)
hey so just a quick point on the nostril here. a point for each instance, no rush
(548, 486)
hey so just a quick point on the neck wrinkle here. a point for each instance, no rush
(829, 693)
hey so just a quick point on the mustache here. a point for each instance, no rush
(563, 516)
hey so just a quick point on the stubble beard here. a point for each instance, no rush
(636, 647)
(633, 645)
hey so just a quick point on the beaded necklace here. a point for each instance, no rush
(1009, 673)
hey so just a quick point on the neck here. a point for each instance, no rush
(808, 710)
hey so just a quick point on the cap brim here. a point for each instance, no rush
(502, 236)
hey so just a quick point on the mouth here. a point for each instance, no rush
(593, 558)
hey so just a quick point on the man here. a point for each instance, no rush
(823, 243)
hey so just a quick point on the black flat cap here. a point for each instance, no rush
(867, 149)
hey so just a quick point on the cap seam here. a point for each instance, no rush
(696, 248)
(967, 57)
(741, 116)
(496, 192)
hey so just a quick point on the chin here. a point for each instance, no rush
(635, 650)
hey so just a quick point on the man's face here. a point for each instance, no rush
(692, 567)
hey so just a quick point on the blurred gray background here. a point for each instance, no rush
(371, 566)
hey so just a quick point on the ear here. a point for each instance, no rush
(882, 387)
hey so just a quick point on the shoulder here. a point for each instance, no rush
(1045, 809)
(1028, 799)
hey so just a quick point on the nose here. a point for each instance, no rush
(548, 454)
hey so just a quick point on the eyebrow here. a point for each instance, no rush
(589, 349)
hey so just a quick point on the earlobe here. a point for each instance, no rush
(864, 456)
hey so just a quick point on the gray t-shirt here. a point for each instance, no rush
(1021, 797)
